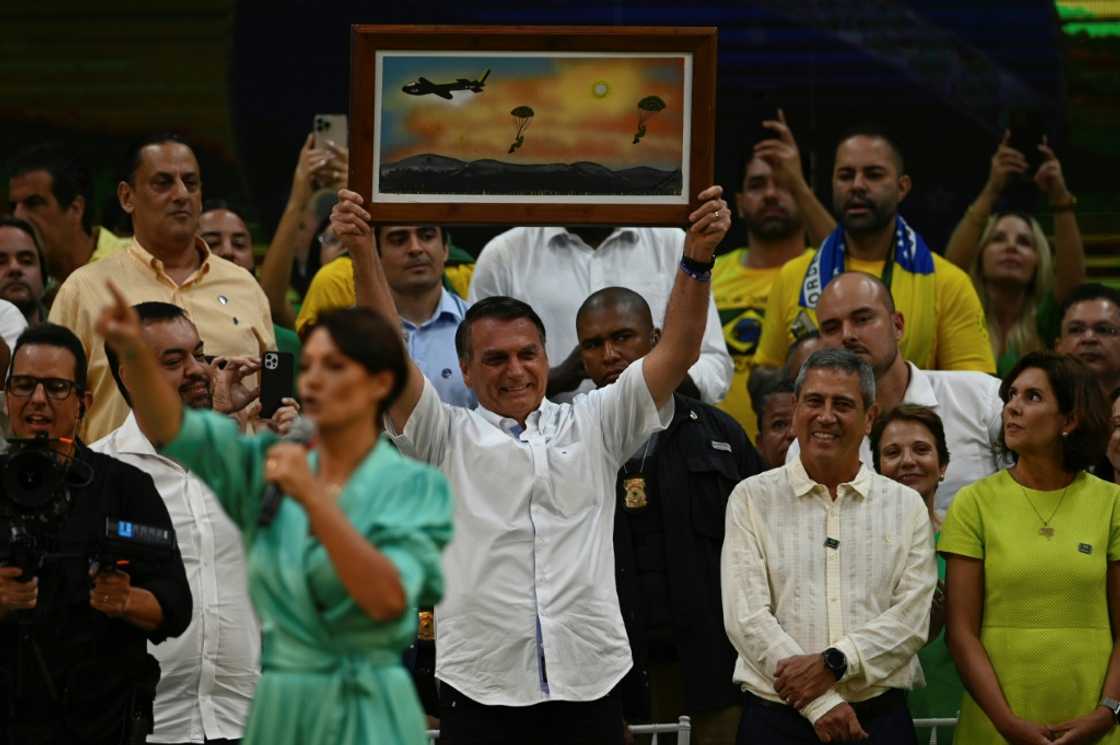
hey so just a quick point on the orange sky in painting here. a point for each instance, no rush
(571, 123)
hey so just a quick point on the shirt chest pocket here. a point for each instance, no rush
(711, 477)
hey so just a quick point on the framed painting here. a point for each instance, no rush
(532, 125)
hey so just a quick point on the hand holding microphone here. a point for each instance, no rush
(287, 472)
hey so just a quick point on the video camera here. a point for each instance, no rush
(35, 497)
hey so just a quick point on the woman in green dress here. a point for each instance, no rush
(337, 572)
(1033, 555)
(908, 445)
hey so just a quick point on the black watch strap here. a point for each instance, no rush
(697, 266)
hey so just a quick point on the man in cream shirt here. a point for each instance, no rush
(828, 574)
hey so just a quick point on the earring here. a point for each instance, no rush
(1065, 434)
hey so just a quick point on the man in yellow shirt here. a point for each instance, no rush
(54, 192)
(945, 327)
(165, 262)
(741, 279)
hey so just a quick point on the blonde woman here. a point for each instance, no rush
(1020, 282)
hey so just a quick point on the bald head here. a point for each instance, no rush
(618, 300)
(856, 311)
(615, 327)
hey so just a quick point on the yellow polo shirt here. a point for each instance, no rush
(960, 340)
(224, 301)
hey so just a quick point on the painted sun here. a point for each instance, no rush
(600, 89)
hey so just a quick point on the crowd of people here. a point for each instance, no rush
(808, 491)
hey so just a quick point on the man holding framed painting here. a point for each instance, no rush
(529, 638)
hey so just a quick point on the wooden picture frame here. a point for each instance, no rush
(630, 145)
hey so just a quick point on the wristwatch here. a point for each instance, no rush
(835, 661)
(1112, 705)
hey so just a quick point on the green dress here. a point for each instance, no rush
(331, 675)
(1045, 616)
(941, 697)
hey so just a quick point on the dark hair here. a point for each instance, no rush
(8, 221)
(876, 132)
(763, 383)
(53, 335)
(500, 307)
(922, 415)
(152, 311)
(616, 297)
(217, 203)
(378, 228)
(844, 361)
(69, 178)
(1089, 291)
(134, 155)
(366, 337)
(1079, 395)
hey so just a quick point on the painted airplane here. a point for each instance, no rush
(424, 87)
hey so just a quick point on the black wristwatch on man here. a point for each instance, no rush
(835, 661)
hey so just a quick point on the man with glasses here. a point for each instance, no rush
(74, 664)
(1090, 331)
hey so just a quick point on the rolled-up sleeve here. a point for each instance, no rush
(428, 429)
(628, 413)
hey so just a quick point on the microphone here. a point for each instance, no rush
(301, 433)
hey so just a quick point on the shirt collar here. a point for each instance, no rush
(129, 439)
(561, 237)
(803, 485)
(449, 307)
(142, 255)
(919, 391)
(510, 426)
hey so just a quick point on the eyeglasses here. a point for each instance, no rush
(1104, 329)
(23, 386)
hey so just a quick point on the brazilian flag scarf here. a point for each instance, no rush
(908, 273)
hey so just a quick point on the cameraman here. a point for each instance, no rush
(74, 665)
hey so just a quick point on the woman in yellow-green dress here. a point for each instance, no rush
(1033, 555)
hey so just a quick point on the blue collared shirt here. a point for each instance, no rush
(432, 347)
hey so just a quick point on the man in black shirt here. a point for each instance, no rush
(74, 665)
(669, 521)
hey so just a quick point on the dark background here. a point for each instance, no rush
(244, 79)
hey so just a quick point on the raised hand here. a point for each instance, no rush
(350, 223)
(1006, 162)
(782, 154)
(1049, 177)
(119, 325)
(710, 222)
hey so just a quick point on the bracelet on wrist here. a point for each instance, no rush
(701, 271)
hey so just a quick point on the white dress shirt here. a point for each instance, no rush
(786, 593)
(530, 570)
(207, 675)
(971, 412)
(555, 271)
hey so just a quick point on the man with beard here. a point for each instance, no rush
(22, 270)
(945, 327)
(209, 673)
(1090, 331)
(856, 313)
(741, 280)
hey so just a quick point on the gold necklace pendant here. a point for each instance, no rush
(636, 498)
(1047, 531)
